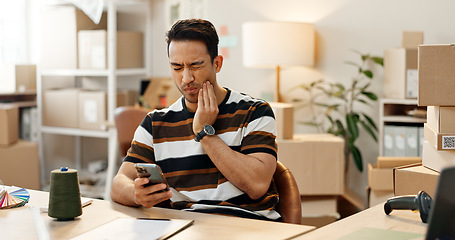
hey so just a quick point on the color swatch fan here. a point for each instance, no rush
(11, 197)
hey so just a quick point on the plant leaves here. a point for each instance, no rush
(352, 126)
(378, 60)
(368, 129)
(341, 129)
(357, 157)
(370, 95)
(370, 121)
(368, 74)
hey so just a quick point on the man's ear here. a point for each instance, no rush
(218, 63)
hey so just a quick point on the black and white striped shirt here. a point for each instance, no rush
(166, 137)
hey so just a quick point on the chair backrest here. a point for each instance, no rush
(127, 119)
(289, 206)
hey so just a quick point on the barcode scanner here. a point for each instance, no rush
(421, 202)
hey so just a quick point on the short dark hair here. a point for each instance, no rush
(195, 29)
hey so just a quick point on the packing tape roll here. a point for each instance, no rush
(64, 195)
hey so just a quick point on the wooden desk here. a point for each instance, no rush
(398, 220)
(17, 223)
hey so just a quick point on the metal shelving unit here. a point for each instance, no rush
(111, 74)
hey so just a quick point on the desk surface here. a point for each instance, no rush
(398, 220)
(17, 223)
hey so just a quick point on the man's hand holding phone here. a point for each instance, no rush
(150, 187)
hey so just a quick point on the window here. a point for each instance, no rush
(13, 31)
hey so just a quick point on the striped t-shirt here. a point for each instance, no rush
(165, 137)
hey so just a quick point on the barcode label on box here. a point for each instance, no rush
(448, 142)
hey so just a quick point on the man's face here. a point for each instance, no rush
(191, 66)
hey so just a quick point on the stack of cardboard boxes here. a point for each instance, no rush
(436, 84)
(400, 82)
(71, 40)
(19, 164)
(317, 163)
(402, 141)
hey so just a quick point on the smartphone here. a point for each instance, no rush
(152, 172)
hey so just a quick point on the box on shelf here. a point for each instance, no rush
(440, 141)
(400, 73)
(380, 179)
(159, 93)
(316, 161)
(9, 124)
(436, 75)
(411, 39)
(17, 77)
(376, 197)
(19, 165)
(92, 109)
(284, 117)
(59, 27)
(392, 162)
(93, 49)
(409, 180)
(127, 97)
(441, 119)
(60, 107)
(435, 159)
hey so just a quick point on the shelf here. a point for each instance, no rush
(75, 132)
(403, 119)
(398, 101)
(93, 72)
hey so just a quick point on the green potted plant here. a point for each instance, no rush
(338, 106)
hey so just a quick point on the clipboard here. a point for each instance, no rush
(137, 228)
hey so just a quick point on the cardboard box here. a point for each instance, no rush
(59, 27)
(93, 51)
(284, 117)
(392, 162)
(19, 165)
(92, 110)
(319, 205)
(441, 119)
(436, 75)
(127, 97)
(411, 39)
(316, 161)
(376, 197)
(435, 159)
(60, 107)
(17, 78)
(400, 73)
(380, 179)
(440, 141)
(160, 93)
(9, 124)
(409, 180)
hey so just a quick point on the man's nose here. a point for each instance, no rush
(187, 76)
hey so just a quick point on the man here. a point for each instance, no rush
(229, 172)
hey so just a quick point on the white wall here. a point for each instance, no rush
(341, 25)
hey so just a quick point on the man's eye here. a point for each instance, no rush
(177, 69)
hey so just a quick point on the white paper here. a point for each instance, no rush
(131, 228)
(92, 8)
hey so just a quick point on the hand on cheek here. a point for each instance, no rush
(207, 110)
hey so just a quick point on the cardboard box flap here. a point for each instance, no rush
(411, 39)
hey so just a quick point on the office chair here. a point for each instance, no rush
(289, 206)
(128, 118)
